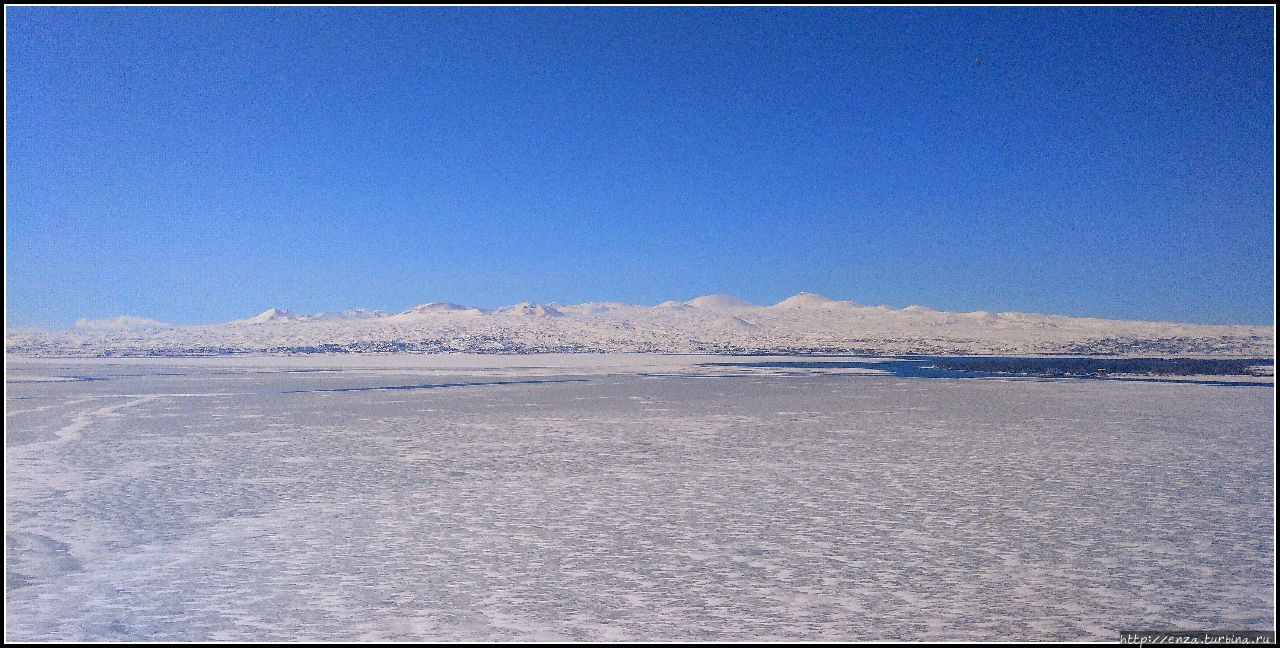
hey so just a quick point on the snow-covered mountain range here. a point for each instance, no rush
(805, 323)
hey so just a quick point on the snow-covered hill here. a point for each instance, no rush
(805, 323)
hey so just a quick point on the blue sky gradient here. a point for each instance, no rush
(203, 164)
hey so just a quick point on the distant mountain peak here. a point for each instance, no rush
(434, 310)
(271, 315)
(530, 309)
(433, 307)
(719, 302)
(810, 300)
(672, 305)
(349, 314)
(916, 308)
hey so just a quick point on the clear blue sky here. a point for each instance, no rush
(203, 164)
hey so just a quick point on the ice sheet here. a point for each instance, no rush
(624, 497)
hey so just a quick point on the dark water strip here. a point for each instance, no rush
(1046, 368)
(432, 386)
(65, 379)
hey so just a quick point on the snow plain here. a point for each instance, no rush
(624, 497)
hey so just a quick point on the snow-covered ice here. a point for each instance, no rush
(617, 497)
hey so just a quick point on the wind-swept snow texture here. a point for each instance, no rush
(805, 323)
(624, 497)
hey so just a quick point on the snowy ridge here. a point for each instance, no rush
(805, 323)
(719, 302)
(271, 315)
(808, 300)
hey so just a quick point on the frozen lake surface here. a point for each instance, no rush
(614, 497)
